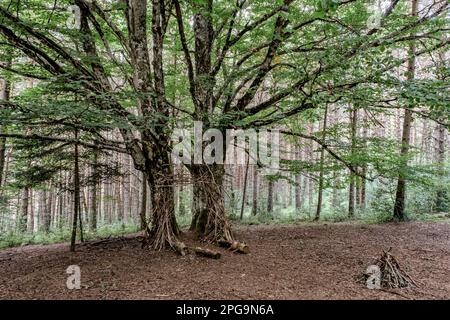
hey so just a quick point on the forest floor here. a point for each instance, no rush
(303, 261)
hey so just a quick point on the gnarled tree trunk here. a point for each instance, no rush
(209, 219)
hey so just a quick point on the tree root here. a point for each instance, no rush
(180, 248)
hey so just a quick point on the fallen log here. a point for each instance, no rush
(205, 252)
(234, 246)
(99, 242)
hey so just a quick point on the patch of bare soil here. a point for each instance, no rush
(285, 262)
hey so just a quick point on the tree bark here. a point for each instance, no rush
(270, 186)
(441, 204)
(30, 210)
(46, 221)
(4, 95)
(76, 194)
(209, 219)
(298, 183)
(24, 210)
(244, 191)
(351, 188)
(255, 191)
(93, 202)
(143, 208)
(364, 167)
(321, 173)
(400, 195)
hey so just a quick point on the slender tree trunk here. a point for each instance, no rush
(80, 215)
(4, 95)
(364, 167)
(60, 211)
(298, 183)
(441, 194)
(399, 205)
(322, 159)
(351, 190)
(244, 192)
(30, 210)
(76, 194)
(24, 210)
(2, 157)
(93, 202)
(47, 211)
(255, 191)
(120, 199)
(442, 201)
(270, 197)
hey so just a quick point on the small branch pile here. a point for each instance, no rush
(391, 275)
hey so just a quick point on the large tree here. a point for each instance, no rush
(117, 58)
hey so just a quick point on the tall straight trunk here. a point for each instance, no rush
(30, 208)
(364, 167)
(4, 95)
(298, 183)
(80, 220)
(441, 194)
(41, 199)
(400, 195)
(24, 210)
(76, 194)
(244, 191)
(93, 203)
(2, 157)
(310, 182)
(255, 191)
(47, 211)
(60, 210)
(298, 192)
(351, 187)
(442, 201)
(120, 199)
(270, 187)
(321, 173)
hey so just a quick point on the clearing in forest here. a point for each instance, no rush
(305, 261)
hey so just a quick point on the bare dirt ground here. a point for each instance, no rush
(286, 262)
